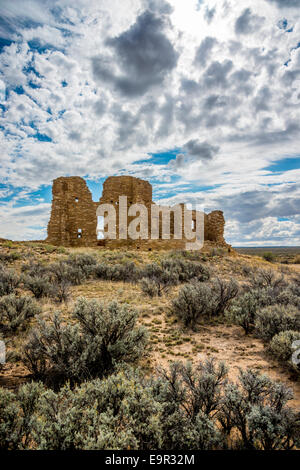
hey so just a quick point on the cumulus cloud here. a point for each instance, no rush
(100, 88)
(248, 22)
(204, 51)
(201, 150)
(286, 3)
(145, 56)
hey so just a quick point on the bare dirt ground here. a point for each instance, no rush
(169, 341)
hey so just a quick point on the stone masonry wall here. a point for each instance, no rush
(73, 220)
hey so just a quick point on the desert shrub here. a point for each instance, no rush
(159, 278)
(39, 286)
(184, 408)
(101, 338)
(281, 347)
(16, 311)
(190, 399)
(186, 270)
(255, 411)
(118, 412)
(198, 300)
(84, 262)
(192, 255)
(273, 319)
(192, 303)
(216, 252)
(269, 256)
(34, 268)
(126, 272)
(9, 281)
(243, 309)
(17, 416)
(268, 278)
(223, 293)
(149, 287)
(9, 257)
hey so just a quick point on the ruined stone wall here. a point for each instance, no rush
(136, 190)
(73, 220)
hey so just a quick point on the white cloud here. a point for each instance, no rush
(226, 81)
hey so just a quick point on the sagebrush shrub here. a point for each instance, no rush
(16, 311)
(17, 416)
(276, 318)
(184, 408)
(223, 293)
(40, 286)
(9, 257)
(243, 310)
(254, 415)
(197, 300)
(150, 287)
(126, 272)
(101, 338)
(281, 347)
(193, 302)
(264, 278)
(269, 256)
(161, 278)
(9, 281)
(186, 270)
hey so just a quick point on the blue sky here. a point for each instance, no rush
(200, 98)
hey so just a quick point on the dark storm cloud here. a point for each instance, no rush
(144, 54)
(200, 150)
(204, 51)
(286, 3)
(248, 23)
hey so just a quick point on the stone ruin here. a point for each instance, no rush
(73, 221)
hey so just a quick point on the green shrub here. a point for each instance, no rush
(281, 346)
(276, 318)
(269, 256)
(16, 311)
(101, 338)
(9, 281)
